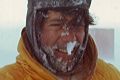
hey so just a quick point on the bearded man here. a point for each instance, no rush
(56, 45)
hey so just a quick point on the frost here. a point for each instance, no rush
(70, 47)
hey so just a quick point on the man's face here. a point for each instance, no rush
(57, 32)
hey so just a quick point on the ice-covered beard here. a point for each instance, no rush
(63, 60)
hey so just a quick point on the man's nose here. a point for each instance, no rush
(68, 36)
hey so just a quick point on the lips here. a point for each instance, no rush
(63, 54)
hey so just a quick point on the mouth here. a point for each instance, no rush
(68, 53)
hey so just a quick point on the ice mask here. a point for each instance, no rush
(70, 47)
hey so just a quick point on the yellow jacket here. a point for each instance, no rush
(26, 68)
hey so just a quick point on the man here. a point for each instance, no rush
(56, 45)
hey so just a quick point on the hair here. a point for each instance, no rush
(83, 11)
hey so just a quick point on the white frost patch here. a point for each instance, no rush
(70, 47)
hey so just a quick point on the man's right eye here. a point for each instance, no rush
(55, 26)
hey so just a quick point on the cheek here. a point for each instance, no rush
(48, 38)
(80, 36)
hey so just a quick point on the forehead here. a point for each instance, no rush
(58, 15)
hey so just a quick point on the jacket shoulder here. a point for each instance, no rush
(105, 71)
(12, 72)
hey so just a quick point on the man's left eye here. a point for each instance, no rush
(55, 25)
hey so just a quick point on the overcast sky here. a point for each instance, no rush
(106, 12)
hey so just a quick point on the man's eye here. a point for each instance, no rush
(55, 25)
